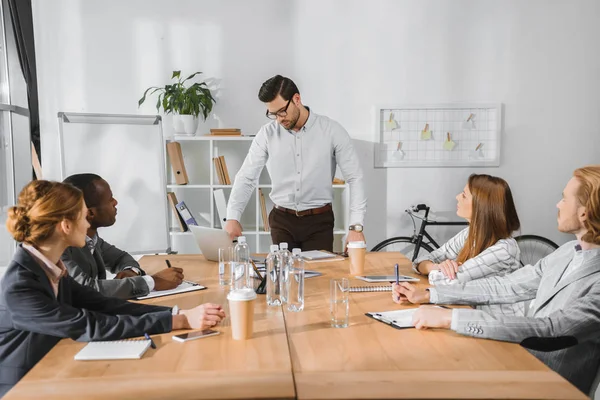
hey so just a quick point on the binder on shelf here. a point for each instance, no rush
(221, 205)
(176, 159)
(173, 202)
(224, 169)
(263, 210)
(186, 214)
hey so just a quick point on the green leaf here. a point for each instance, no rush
(191, 76)
(176, 74)
(140, 101)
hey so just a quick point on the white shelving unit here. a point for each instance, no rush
(198, 152)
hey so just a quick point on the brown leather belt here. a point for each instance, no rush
(312, 211)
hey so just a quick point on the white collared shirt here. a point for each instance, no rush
(91, 245)
(302, 166)
(54, 272)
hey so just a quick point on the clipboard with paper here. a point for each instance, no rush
(399, 319)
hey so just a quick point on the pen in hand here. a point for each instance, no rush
(397, 274)
(168, 263)
(150, 339)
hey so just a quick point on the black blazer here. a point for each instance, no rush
(33, 319)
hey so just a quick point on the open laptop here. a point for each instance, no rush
(210, 240)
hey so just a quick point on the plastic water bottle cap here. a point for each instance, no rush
(274, 247)
(283, 245)
(241, 239)
(296, 251)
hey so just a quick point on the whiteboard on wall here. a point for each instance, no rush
(128, 152)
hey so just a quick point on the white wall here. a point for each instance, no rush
(538, 58)
(100, 56)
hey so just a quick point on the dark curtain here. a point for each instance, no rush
(21, 16)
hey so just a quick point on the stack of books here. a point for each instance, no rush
(221, 169)
(226, 132)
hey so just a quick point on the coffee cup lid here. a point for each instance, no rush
(242, 294)
(357, 245)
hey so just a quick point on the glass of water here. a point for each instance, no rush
(225, 261)
(339, 305)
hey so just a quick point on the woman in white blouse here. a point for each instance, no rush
(486, 248)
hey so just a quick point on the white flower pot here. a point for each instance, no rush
(185, 124)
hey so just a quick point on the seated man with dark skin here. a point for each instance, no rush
(88, 265)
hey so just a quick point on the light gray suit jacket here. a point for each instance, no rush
(90, 270)
(562, 327)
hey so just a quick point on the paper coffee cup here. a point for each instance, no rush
(357, 252)
(241, 312)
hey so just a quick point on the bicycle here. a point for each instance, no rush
(533, 247)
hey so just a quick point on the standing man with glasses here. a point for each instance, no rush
(301, 150)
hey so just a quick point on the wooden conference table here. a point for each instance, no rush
(298, 355)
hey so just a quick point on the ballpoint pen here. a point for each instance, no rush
(397, 274)
(168, 263)
(150, 339)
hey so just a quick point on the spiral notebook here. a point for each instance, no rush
(370, 288)
(113, 350)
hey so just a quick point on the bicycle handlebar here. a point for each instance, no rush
(417, 208)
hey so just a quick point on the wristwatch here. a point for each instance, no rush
(175, 310)
(356, 228)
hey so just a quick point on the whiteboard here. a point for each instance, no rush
(128, 152)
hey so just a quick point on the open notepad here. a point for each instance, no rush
(186, 286)
(114, 350)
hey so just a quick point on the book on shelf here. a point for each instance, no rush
(263, 210)
(221, 170)
(176, 160)
(173, 202)
(225, 171)
(186, 214)
(226, 132)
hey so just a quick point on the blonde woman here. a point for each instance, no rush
(40, 303)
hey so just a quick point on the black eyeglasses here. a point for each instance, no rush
(281, 113)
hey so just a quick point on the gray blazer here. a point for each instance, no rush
(90, 270)
(562, 327)
(33, 319)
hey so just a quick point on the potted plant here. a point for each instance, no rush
(185, 103)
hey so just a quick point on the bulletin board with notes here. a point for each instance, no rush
(439, 135)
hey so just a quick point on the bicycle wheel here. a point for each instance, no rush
(534, 248)
(404, 245)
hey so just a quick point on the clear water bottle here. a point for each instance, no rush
(295, 286)
(286, 261)
(240, 273)
(273, 274)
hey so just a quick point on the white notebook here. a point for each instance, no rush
(114, 350)
(317, 255)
